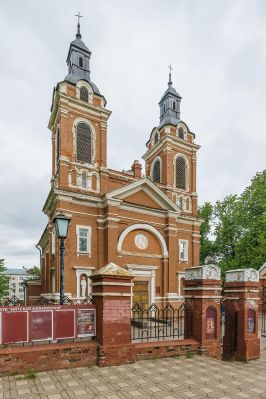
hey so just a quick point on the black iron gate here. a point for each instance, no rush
(228, 332)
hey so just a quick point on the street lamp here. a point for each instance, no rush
(61, 223)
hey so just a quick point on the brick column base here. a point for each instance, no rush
(241, 339)
(202, 301)
(111, 293)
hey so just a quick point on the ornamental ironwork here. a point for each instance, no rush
(154, 323)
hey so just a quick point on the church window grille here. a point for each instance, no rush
(84, 94)
(181, 133)
(156, 138)
(84, 143)
(180, 165)
(157, 171)
(181, 202)
(84, 180)
(80, 62)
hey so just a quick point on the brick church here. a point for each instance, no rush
(145, 222)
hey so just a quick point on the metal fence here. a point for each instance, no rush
(154, 323)
(42, 300)
(263, 321)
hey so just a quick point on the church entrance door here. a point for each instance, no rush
(141, 293)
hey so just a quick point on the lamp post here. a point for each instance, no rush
(61, 223)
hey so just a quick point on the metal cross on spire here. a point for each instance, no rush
(78, 35)
(170, 74)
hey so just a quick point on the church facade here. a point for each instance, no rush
(144, 222)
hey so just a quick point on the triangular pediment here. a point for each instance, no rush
(144, 193)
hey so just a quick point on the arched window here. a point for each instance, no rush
(174, 105)
(84, 180)
(181, 133)
(157, 171)
(180, 173)
(80, 62)
(84, 94)
(84, 143)
(156, 138)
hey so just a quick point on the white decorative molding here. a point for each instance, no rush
(242, 275)
(142, 226)
(141, 241)
(204, 272)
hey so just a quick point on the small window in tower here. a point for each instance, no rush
(84, 94)
(157, 171)
(181, 133)
(156, 138)
(181, 202)
(164, 107)
(174, 105)
(80, 62)
(84, 180)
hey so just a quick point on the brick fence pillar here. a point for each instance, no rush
(202, 301)
(111, 293)
(241, 314)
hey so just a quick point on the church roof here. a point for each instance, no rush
(170, 90)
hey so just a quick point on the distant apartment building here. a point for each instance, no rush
(17, 277)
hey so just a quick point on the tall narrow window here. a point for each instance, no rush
(84, 94)
(180, 173)
(84, 180)
(181, 202)
(181, 133)
(183, 250)
(157, 171)
(174, 105)
(164, 108)
(83, 239)
(156, 138)
(84, 143)
(80, 62)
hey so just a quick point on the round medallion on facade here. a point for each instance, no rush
(141, 241)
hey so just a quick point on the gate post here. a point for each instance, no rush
(202, 302)
(241, 314)
(111, 293)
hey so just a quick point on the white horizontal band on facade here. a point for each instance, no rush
(114, 284)
(203, 296)
(203, 289)
(251, 291)
(237, 298)
(111, 294)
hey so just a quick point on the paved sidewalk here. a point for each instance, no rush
(198, 377)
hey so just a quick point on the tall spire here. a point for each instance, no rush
(170, 75)
(78, 34)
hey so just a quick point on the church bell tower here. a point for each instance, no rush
(171, 153)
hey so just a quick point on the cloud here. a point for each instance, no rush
(218, 52)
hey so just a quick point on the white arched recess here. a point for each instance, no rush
(142, 226)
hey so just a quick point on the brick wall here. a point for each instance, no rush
(154, 350)
(47, 357)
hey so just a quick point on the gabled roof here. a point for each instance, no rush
(149, 188)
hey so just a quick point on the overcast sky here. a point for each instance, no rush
(217, 49)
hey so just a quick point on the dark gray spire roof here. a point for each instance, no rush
(78, 61)
(170, 105)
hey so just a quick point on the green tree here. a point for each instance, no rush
(207, 250)
(252, 246)
(4, 281)
(34, 271)
(227, 231)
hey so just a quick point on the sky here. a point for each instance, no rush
(218, 52)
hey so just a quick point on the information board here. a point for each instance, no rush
(86, 322)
